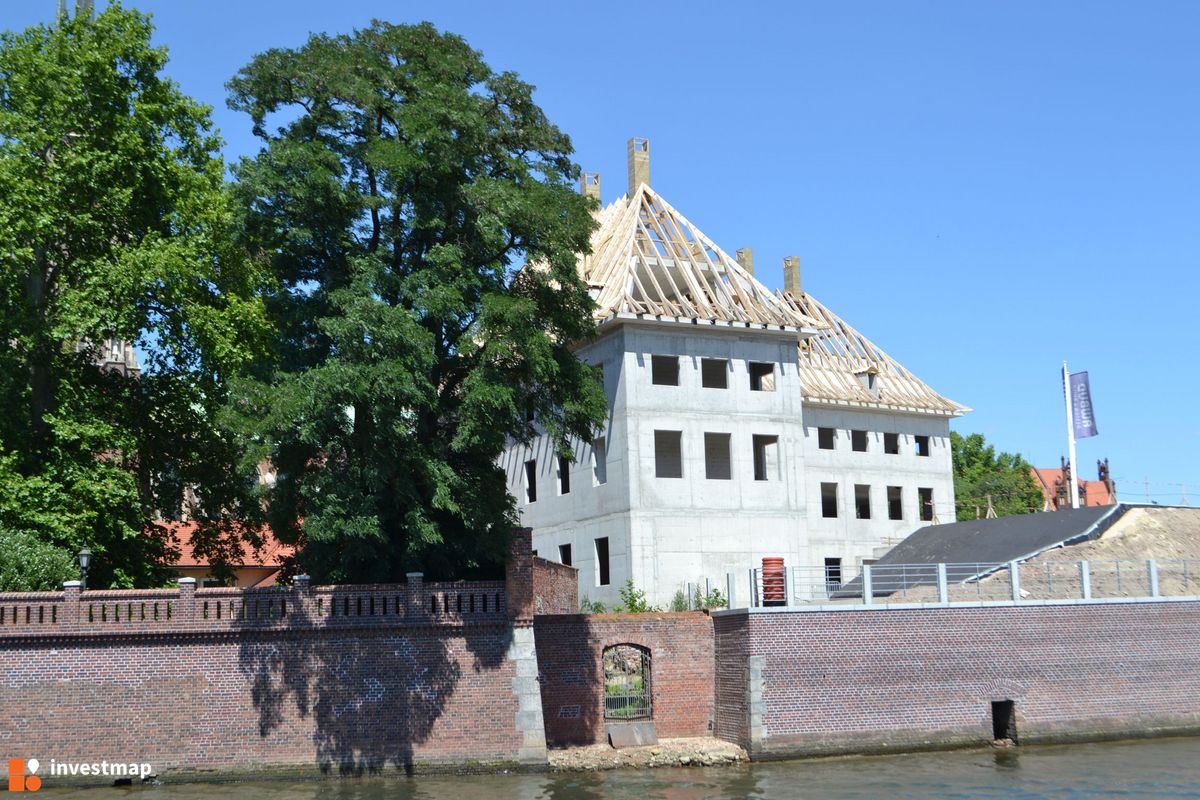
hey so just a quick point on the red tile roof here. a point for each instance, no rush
(270, 556)
(1091, 493)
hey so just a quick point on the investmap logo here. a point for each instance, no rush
(22, 775)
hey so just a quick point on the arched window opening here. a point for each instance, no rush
(627, 682)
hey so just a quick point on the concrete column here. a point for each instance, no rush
(1152, 576)
(745, 259)
(789, 586)
(638, 154)
(589, 185)
(1014, 579)
(791, 274)
(755, 600)
(1085, 580)
(942, 584)
(530, 721)
(731, 589)
(867, 590)
(754, 702)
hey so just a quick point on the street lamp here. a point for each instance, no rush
(85, 559)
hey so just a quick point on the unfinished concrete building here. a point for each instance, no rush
(742, 422)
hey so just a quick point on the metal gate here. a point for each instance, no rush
(627, 686)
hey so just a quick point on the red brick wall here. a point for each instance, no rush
(569, 650)
(731, 644)
(555, 588)
(904, 679)
(344, 679)
(337, 699)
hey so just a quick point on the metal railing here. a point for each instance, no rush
(891, 584)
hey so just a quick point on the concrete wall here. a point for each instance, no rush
(846, 536)
(569, 651)
(884, 680)
(666, 532)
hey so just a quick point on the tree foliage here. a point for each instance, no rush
(401, 186)
(28, 564)
(115, 224)
(979, 472)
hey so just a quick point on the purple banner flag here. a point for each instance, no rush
(1081, 406)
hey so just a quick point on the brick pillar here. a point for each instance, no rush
(417, 608)
(518, 575)
(185, 608)
(72, 609)
(301, 608)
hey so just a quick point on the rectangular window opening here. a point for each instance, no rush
(602, 561)
(717, 461)
(862, 501)
(922, 445)
(925, 498)
(564, 475)
(664, 370)
(766, 458)
(714, 373)
(825, 438)
(564, 554)
(858, 441)
(599, 461)
(829, 504)
(833, 573)
(668, 454)
(762, 377)
(891, 443)
(531, 481)
(895, 499)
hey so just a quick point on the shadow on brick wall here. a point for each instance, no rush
(368, 697)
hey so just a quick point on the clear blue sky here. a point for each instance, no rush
(984, 189)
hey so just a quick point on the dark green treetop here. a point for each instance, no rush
(401, 186)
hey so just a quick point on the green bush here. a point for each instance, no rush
(28, 564)
(633, 600)
(679, 602)
(587, 606)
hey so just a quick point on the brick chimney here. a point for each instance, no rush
(791, 274)
(589, 185)
(639, 163)
(745, 259)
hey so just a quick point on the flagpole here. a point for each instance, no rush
(1070, 437)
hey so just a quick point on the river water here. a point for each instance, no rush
(1162, 768)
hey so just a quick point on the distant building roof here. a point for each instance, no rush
(270, 556)
(1055, 486)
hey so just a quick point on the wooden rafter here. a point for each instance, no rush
(833, 362)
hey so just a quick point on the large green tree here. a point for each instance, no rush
(980, 472)
(115, 224)
(401, 186)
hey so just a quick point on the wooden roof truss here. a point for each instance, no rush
(648, 259)
(840, 366)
